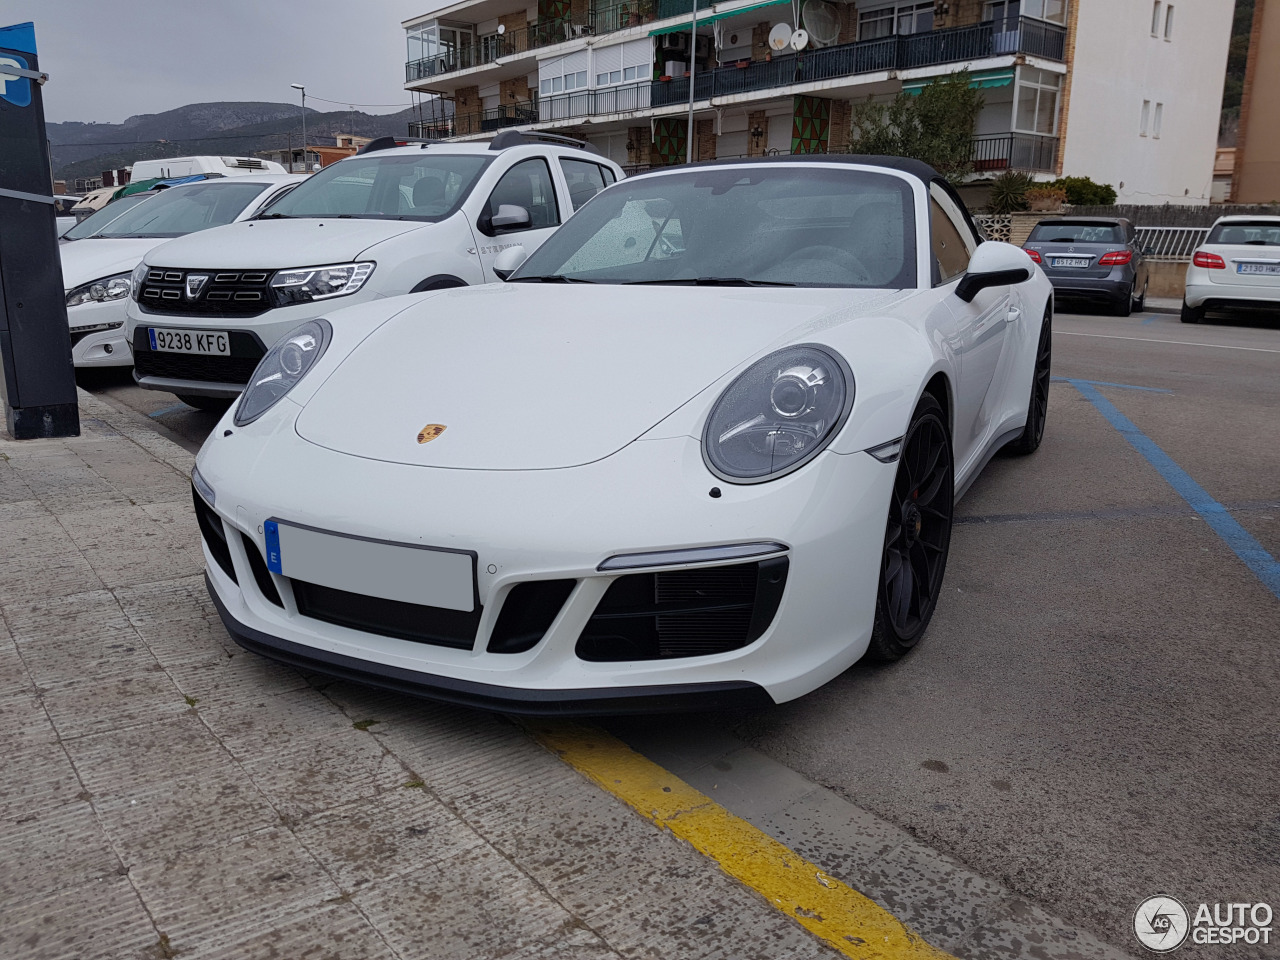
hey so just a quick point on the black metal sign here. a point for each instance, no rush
(37, 376)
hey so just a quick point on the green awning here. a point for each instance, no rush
(983, 80)
(711, 17)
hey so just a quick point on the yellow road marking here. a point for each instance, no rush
(836, 913)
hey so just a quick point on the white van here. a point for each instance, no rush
(212, 166)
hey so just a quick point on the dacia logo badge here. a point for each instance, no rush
(430, 432)
(195, 283)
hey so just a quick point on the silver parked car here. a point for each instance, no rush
(1095, 259)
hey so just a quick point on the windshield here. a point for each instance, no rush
(1260, 233)
(770, 225)
(90, 225)
(425, 186)
(188, 209)
(1076, 233)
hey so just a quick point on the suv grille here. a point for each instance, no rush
(241, 293)
(246, 351)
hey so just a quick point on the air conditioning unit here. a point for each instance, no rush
(675, 42)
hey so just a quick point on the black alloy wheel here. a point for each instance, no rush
(1141, 303)
(1192, 314)
(1124, 306)
(1038, 408)
(918, 534)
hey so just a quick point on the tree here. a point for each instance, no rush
(935, 125)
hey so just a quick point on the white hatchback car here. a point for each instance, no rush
(1236, 268)
(98, 257)
(400, 217)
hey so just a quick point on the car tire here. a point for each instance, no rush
(1192, 314)
(1141, 303)
(917, 536)
(1125, 306)
(216, 405)
(1038, 409)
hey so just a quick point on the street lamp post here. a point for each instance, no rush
(693, 75)
(303, 89)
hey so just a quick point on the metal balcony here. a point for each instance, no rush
(1030, 152)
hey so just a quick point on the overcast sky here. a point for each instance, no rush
(109, 61)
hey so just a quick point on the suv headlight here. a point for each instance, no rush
(304, 284)
(137, 279)
(280, 370)
(100, 291)
(778, 414)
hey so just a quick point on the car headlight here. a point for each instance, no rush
(137, 278)
(100, 291)
(280, 370)
(304, 284)
(778, 414)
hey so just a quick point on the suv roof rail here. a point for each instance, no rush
(514, 138)
(386, 143)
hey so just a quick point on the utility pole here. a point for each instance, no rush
(693, 75)
(305, 167)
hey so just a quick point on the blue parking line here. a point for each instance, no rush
(1104, 383)
(1150, 319)
(168, 410)
(1264, 566)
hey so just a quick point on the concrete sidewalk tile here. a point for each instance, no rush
(372, 840)
(99, 704)
(125, 545)
(1018, 929)
(474, 905)
(75, 616)
(82, 652)
(36, 779)
(315, 775)
(34, 534)
(335, 931)
(25, 724)
(121, 759)
(236, 678)
(275, 721)
(156, 819)
(101, 919)
(53, 576)
(13, 489)
(14, 678)
(51, 849)
(209, 897)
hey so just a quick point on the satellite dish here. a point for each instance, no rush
(799, 39)
(822, 21)
(780, 36)
(502, 28)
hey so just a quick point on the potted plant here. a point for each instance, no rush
(1046, 199)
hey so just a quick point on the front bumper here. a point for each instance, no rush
(555, 525)
(99, 348)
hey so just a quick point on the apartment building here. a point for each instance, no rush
(782, 76)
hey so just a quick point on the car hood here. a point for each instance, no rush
(277, 244)
(95, 258)
(533, 377)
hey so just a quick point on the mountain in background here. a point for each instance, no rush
(219, 129)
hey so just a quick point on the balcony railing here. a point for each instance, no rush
(489, 48)
(1014, 151)
(592, 103)
(957, 45)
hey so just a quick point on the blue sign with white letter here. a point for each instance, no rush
(271, 532)
(15, 90)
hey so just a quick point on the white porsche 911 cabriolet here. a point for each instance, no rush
(700, 450)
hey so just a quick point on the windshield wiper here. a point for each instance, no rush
(273, 216)
(711, 282)
(551, 278)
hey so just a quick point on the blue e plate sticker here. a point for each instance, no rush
(272, 531)
(15, 90)
(151, 332)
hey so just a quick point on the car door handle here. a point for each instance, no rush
(1014, 315)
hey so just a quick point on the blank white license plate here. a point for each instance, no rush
(393, 571)
(1070, 261)
(216, 343)
(1265, 269)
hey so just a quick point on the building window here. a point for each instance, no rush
(1155, 19)
(569, 81)
(1168, 22)
(1157, 121)
(626, 75)
(1055, 11)
(896, 18)
(1146, 117)
(1035, 109)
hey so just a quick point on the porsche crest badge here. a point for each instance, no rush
(430, 432)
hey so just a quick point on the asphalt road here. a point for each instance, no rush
(1092, 718)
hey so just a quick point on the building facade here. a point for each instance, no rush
(1257, 160)
(779, 77)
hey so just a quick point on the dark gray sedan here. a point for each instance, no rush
(1095, 259)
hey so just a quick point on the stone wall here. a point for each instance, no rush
(467, 110)
(756, 147)
(704, 146)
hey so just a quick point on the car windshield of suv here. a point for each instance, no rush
(90, 225)
(1261, 233)
(188, 209)
(1076, 233)
(739, 226)
(419, 186)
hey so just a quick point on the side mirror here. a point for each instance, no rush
(505, 263)
(510, 217)
(994, 264)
